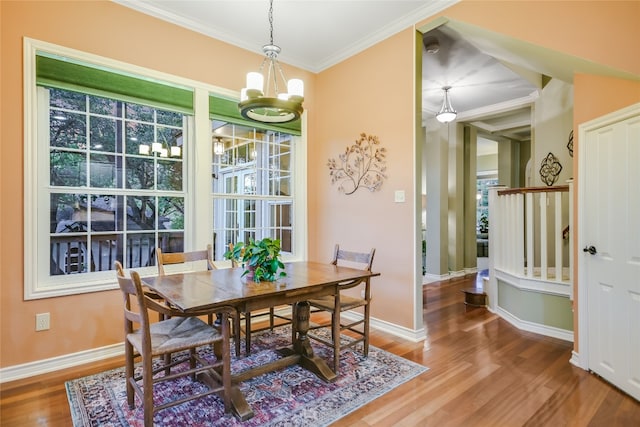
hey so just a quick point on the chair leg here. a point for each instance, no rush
(167, 360)
(271, 318)
(147, 390)
(237, 332)
(192, 362)
(226, 365)
(293, 323)
(129, 370)
(335, 332)
(365, 343)
(247, 334)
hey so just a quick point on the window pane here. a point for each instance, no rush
(141, 212)
(67, 130)
(139, 112)
(171, 213)
(141, 249)
(169, 118)
(69, 255)
(105, 250)
(103, 170)
(139, 173)
(65, 213)
(138, 133)
(103, 134)
(67, 100)
(106, 213)
(171, 242)
(104, 106)
(68, 169)
(169, 175)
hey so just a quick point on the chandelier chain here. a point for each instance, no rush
(271, 19)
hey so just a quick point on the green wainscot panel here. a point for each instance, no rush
(536, 307)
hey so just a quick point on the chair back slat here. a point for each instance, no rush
(362, 260)
(171, 258)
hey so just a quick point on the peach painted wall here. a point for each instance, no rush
(103, 28)
(342, 102)
(372, 93)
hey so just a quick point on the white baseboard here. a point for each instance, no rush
(537, 328)
(575, 360)
(458, 273)
(470, 270)
(391, 328)
(39, 367)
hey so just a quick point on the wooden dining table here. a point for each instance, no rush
(214, 289)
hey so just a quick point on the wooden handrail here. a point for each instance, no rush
(524, 190)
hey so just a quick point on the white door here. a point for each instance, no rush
(610, 236)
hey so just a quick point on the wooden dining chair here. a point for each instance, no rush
(172, 258)
(343, 301)
(181, 336)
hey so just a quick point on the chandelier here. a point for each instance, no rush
(446, 113)
(162, 150)
(271, 105)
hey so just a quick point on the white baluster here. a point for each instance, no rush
(530, 253)
(544, 264)
(558, 234)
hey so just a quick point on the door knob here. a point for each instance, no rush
(591, 250)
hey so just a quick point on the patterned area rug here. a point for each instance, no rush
(289, 397)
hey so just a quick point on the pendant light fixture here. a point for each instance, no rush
(272, 105)
(218, 146)
(446, 113)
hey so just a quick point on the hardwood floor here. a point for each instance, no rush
(483, 372)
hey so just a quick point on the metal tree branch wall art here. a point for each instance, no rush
(361, 165)
(570, 143)
(550, 169)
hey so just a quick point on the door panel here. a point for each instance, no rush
(612, 226)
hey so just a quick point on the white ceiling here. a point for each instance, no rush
(493, 79)
(313, 34)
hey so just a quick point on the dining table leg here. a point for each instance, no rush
(302, 345)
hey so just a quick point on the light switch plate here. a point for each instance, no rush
(399, 196)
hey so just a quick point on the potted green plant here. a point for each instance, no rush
(260, 259)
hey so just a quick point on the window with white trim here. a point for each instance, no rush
(111, 196)
(253, 185)
(118, 161)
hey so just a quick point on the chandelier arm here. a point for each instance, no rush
(284, 79)
(264, 61)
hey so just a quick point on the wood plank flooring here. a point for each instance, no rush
(483, 372)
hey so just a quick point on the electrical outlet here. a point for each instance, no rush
(42, 321)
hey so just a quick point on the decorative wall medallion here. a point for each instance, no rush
(570, 143)
(550, 169)
(362, 165)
